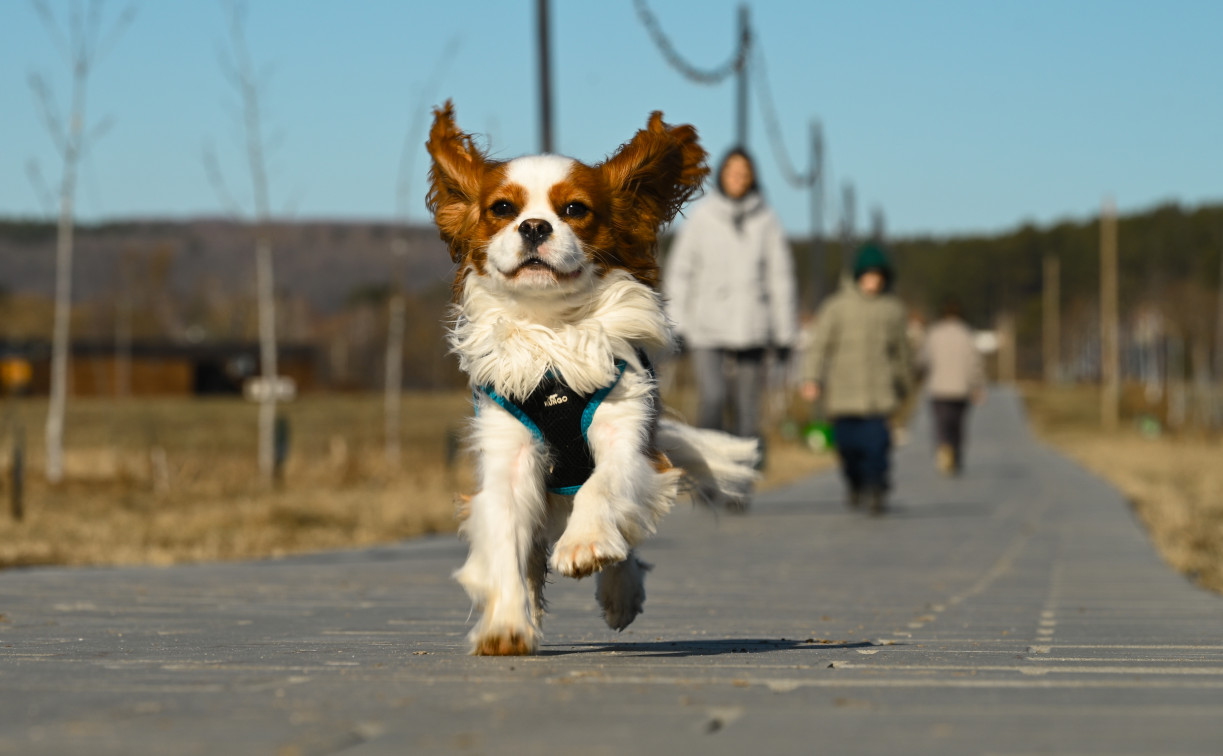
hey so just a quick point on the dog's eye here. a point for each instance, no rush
(503, 209)
(575, 210)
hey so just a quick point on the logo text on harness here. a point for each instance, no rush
(555, 399)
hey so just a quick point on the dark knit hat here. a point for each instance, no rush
(872, 257)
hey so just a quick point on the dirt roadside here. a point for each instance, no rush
(1173, 482)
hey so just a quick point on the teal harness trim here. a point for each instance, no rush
(550, 413)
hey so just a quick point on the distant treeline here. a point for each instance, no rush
(1169, 264)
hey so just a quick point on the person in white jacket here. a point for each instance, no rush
(729, 281)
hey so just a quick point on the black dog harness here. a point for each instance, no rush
(559, 417)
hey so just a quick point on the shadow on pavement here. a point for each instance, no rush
(709, 647)
(903, 511)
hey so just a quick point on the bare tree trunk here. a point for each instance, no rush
(63, 305)
(394, 374)
(60, 334)
(396, 309)
(242, 75)
(267, 354)
(81, 47)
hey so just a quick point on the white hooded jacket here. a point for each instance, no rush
(729, 277)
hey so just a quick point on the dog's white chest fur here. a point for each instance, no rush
(510, 344)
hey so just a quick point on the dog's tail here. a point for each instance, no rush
(719, 469)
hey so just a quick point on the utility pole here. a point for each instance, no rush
(1008, 347)
(1219, 327)
(741, 80)
(847, 228)
(545, 79)
(878, 225)
(817, 215)
(1051, 340)
(1110, 355)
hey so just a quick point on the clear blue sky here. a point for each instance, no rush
(952, 116)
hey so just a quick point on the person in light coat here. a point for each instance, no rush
(729, 281)
(954, 378)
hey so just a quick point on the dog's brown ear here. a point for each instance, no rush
(649, 179)
(454, 180)
(659, 170)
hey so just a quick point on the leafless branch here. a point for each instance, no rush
(262, 79)
(76, 34)
(229, 68)
(274, 141)
(414, 137)
(126, 16)
(217, 180)
(93, 25)
(238, 49)
(99, 130)
(294, 202)
(50, 114)
(43, 192)
(53, 28)
(89, 177)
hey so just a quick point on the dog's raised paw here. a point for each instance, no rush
(621, 591)
(578, 557)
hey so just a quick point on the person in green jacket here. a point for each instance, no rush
(859, 362)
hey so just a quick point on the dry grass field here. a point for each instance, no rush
(1174, 483)
(166, 481)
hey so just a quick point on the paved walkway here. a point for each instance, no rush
(1018, 610)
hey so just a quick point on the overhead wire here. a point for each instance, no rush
(693, 73)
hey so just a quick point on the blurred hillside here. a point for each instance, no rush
(324, 263)
(192, 282)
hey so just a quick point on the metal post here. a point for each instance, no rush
(17, 491)
(282, 448)
(848, 212)
(1219, 326)
(1007, 347)
(741, 80)
(1110, 353)
(878, 225)
(545, 79)
(817, 215)
(1052, 342)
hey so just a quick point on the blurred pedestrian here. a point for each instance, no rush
(729, 280)
(860, 363)
(954, 377)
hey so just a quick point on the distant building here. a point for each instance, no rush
(160, 368)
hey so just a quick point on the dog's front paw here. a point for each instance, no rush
(579, 555)
(503, 641)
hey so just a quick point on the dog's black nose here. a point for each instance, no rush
(535, 231)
